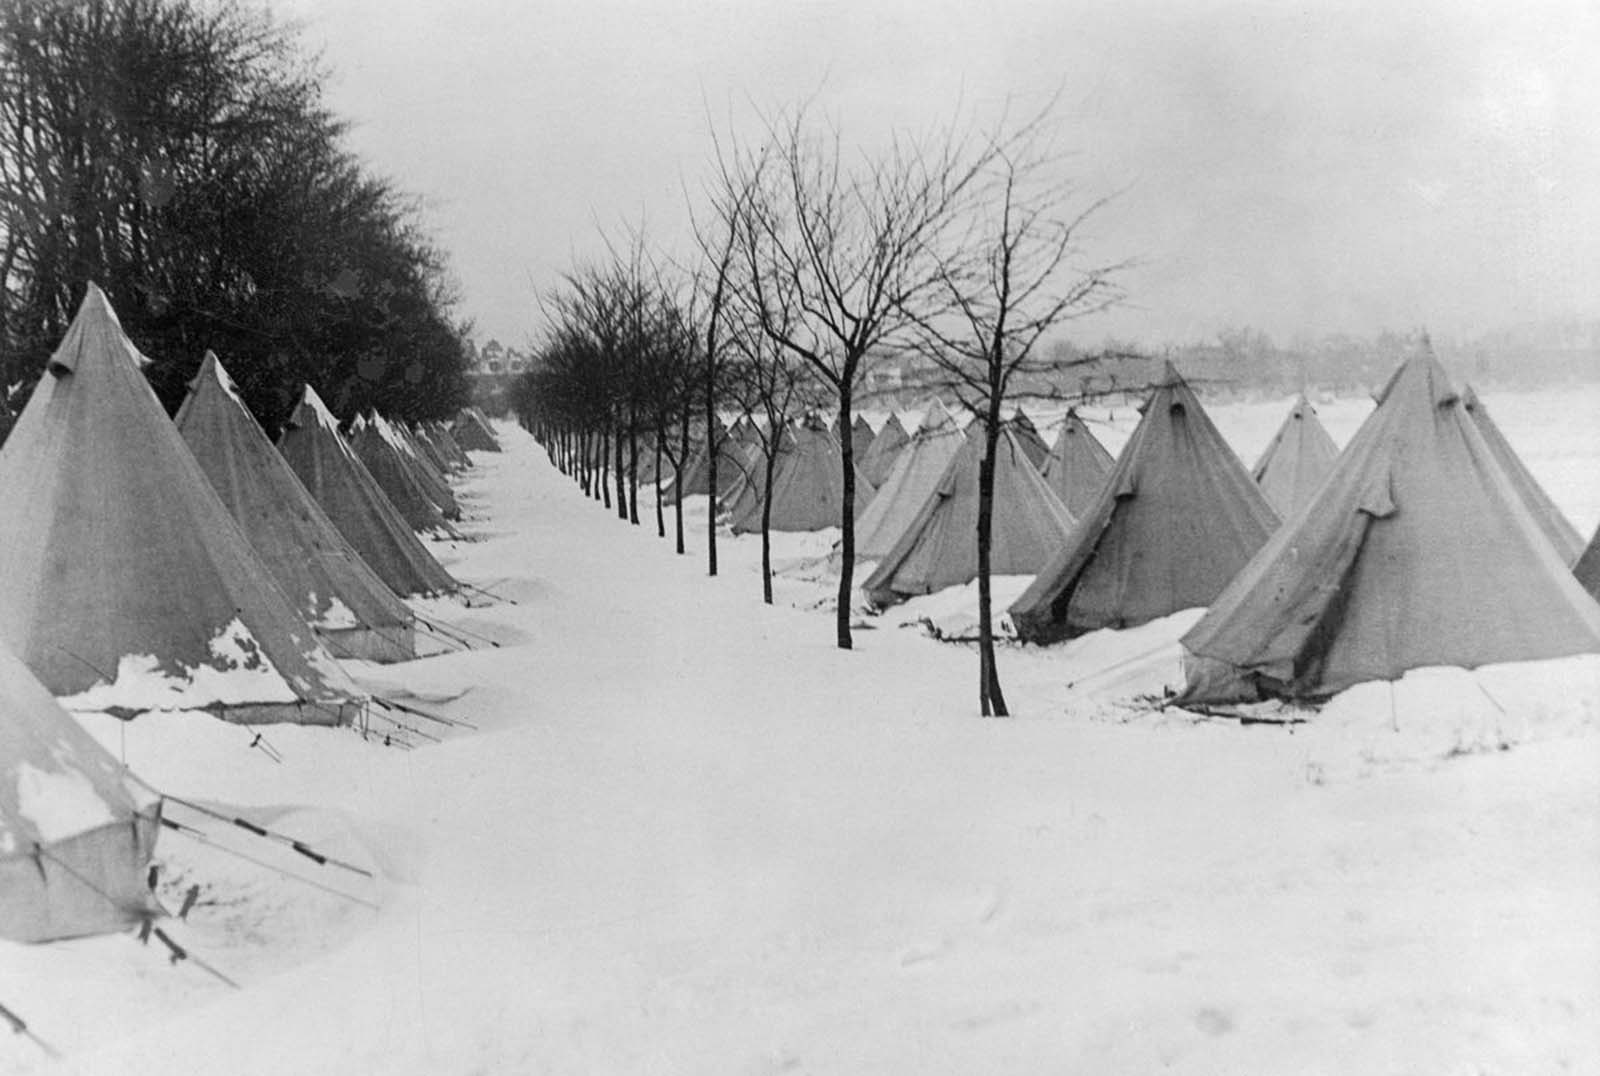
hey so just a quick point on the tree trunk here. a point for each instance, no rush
(605, 465)
(766, 516)
(633, 468)
(661, 521)
(713, 450)
(991, 701)
(621, 477)
(677, 481)
(847, 513)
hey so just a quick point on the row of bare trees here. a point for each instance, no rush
(179, 153)
(813, 257)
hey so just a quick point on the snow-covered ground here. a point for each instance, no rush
(690, 836)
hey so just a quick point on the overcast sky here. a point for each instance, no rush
(1302, 167)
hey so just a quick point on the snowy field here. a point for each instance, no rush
(689, 836)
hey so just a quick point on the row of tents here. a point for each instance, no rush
(148, 563)
(1427, 541)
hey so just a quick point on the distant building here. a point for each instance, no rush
(492, 369)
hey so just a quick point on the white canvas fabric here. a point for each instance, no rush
(125, 583)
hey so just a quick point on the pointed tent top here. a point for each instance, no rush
(94, 329)
(937, 419)
(1176, 518)
(1417, 550)
(318, 411)
(200, 624)
(1423, 366)
(211, 368)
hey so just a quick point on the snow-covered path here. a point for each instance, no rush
(692, 837)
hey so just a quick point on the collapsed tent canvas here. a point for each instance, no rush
(328, 468)
(1418, 551)
(1562, 534)
(1077, 465)
(1296, 460)
(328, 583)
(1177, 518)
(1028, 523)
(76, 832)
(879, 457)
(918, 469)
(807, 484)
(125, 584)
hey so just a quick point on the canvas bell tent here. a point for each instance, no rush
(696, 478)
(76, 833)
(472, 431)
(326, 580)
(807, 484)
(1296, 460)
(1588, 567)
(876, 462)
(1562, 534)
(1176, 520)
(125, 583)
(861, 438)
(328, 468)
(385, 462)
(1028, 437)
(1077, 465)
(1417, 551)
(940, 547)
(918, 469)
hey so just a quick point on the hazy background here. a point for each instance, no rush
(1301, 169)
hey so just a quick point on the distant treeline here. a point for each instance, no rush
(179, 153)
(1247, 362)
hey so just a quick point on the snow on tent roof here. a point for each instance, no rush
(1417, 551)
(472, 431)
(1077, 465)
(1296, 460)
(940, 549)
(918, 469)
(440, 435)
(394, 476)
(1562, 534)
(76, 833)
(351, 497)
(325, 579)
(427, 477)
(1177, 518)
(807, 486)
(124, 581)
(879, 457)
(421, 440)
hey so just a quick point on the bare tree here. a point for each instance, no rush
(852, 239)
(773, 388)
(1011, 270)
